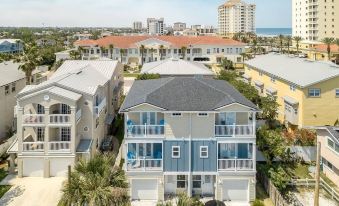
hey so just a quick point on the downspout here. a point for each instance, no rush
(190, 159)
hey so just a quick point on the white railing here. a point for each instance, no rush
(235, 164)
(59, 118)
(145, 130)
(233, 130)
(33, 119)
(33, 146)
(100, 107)
(144, 164)
(61, 146)
(78, 115)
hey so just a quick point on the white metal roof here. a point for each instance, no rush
(12, 41)
(176, 67)
(9, 72)
(299, 71)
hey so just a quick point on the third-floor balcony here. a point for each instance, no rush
(234, 124)
(100, 106)
(145, 124)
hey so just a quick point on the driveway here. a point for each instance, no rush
(32, 191)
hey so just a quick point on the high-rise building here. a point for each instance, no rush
(137, 25)
(179, 26)
(236, 16)
(315, 19)
(155, 26)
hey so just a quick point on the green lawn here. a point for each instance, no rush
(3, 188)
(130, 74)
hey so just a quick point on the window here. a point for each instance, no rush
(314, 92)
(292, 87)
(337, 93)
(202, 114)
(272, 79)
(65, 134)
(181, 181)
(208, 51)
(176, 114)
(41, 134)
(175, 51)
(13, 87)
(6, 89)
(330, 143)
(203, 151)
(175, 151)
(260, 73)
(196, 181)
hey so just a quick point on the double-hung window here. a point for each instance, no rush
(181, 181)
(175, 151)
(203, 151)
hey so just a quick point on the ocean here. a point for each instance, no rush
(273, 31)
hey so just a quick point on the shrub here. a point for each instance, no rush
(146, 76)
(258, 203)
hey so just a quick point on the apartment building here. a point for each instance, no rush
(307, 91)
(155, 26)
(193, 135)
(137, 26)
(179, 26)
(12, 81)
(65, 118)
(10, 45)
(329, 139)
(207, 49)
(236, 16)
(315, 19)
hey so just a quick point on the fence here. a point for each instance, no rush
(311, 183)
(271, 190)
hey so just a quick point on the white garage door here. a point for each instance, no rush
(33, 167)
(235, 190)
(145, 189)
(59, 167)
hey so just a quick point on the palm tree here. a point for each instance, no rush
(336, 41)
(96, 182)
(122, 52)
(183, 51)
(161, 48)
(243, 55)
(111, 47)
(297, 39)
(30, 59)
(80, 50)
(254, 46)
(288, 43)
(281, 41)
(102, 50)
(142, 52)
(271, 41)
(328, 41)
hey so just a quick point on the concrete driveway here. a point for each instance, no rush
(32, 191)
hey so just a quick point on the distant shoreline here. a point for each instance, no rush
(271, 32)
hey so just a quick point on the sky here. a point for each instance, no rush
(121, 13)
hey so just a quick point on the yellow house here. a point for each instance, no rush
(307, 91)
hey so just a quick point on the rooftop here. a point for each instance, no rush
(79, 76)
(299, 71)
(13, 41)
(178, 41)
(176, 67)
(9, 72)
(184, 94)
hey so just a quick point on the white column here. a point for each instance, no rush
(20, 131)
(46, 136)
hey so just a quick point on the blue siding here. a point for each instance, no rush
(204, 164)
(176, 164)
(182, 164)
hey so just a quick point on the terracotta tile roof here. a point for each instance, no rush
(176, 41)
(323, 48)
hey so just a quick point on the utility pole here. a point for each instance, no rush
(317, 176)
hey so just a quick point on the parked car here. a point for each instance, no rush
(107, 144)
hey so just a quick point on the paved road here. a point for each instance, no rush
(32, 191)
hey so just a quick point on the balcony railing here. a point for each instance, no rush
(61, 146)
(33, 146)
(59, 119)
(145, 130)
(235, 164)
(233, 130)
(100, 107)
(144, 165)
(33, 119)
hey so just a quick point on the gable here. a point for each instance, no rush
(145, 107)
(153, 43)
(234, 107)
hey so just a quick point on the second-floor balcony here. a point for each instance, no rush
(33, 119)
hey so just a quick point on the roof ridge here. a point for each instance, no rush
(160, 63)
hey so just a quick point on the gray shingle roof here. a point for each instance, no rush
(296, 70)
(184, 94)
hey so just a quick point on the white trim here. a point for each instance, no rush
(145, 103)
(176, 156)
(236, 103)
(200, 152)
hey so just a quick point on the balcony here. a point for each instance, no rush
(235, 164)
(33, 119)
(33, 146)
(101, 106)
(59, 147)
(233, 130)
(145, 130)
(53, 147)
(144, 157)
(59, 119)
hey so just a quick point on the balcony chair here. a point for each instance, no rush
(130, 124)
